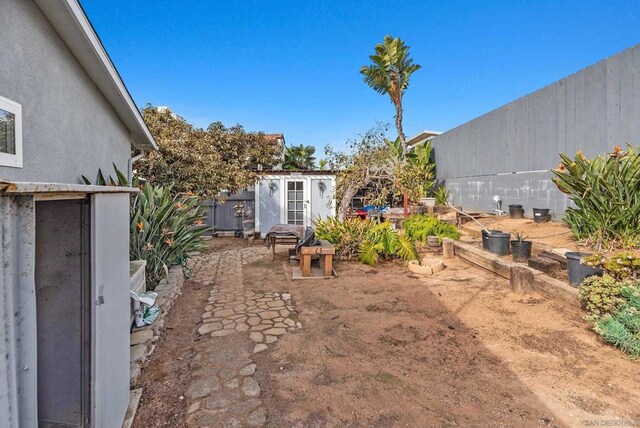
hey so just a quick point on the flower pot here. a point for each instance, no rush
(428, 202)
(516, 211)
(498, 243)
(484, 237)
(521, 251)
(541, 215)
(577, 271)
(433, 241)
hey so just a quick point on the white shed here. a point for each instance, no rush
(294, 197)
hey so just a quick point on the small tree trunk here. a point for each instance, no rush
(345, 202)
(403, 140)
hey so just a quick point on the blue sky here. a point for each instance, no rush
(293, 66)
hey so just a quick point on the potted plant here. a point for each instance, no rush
(577, 270)
(541, 215)
(498, 242)
(516, 211)
(521, 248)
(442, 195)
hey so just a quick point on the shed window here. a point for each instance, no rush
(10, 133)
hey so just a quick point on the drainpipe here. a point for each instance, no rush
(130, 165)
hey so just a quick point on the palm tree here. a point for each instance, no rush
(299, 157)
(389, 74)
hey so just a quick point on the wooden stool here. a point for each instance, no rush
(326, 252)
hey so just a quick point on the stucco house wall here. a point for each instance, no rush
(69, 128)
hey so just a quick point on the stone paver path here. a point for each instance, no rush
(239, 322)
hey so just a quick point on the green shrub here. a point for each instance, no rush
(620, 266)
(365, 239)
(164, 229)
(606, 192)
(419, 227)
(600, 295)
(622, 328)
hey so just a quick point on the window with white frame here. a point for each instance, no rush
(10, 133)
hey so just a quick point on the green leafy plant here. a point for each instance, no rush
(606, 192)
(442, 195)
(420, 227)
(164, 229)
(600, 295)
(519, 236)
(102, 181)
(365, 239)
(622, 328)
(620, 266)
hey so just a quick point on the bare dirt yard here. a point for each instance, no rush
(380, 347)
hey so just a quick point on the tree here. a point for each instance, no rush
(377, 164)
(299, 157)
(389, 74)
(203, 161)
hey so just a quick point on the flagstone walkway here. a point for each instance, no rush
(238, 323)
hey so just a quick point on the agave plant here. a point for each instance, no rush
(606, 192)
(102, 181)
(164, 229)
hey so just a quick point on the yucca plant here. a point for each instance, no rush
(164, 229)
(606, 192)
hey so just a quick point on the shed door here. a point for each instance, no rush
(63, 311)
(295, 204)
(110, 267)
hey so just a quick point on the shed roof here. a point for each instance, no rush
(73, 26)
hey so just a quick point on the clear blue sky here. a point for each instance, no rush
(293, 66)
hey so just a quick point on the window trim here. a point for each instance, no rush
(7, 159)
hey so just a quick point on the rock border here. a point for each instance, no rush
(143, 340)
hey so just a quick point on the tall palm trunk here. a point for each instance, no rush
(403, 140)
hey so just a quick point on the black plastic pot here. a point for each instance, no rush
(498, 243)
(541, 215)
(514, 207)
(577, 271)
(521, 251)
(516, 211)
(484, 237)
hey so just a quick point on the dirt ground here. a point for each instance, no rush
(380, 347)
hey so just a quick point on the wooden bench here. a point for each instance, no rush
(282, 240)
(325, 250)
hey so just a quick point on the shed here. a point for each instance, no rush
(294, 197)
(64, 280)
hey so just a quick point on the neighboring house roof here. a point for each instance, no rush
(70, 21)
(422, 137)
(274, 137)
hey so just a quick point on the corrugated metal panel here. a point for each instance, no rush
(18, 383)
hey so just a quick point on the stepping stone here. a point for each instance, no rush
(270, 339)
(223, 313)
(255, 336)
(209, 327)
(221, 333)
(250, 387)
(285, 313)
(275, 331)
(269, 315)
(248, 370)
(259, 348)
(253, 321)
(202, 387)
(242, 327)
(260, 327)
(275, 304)
(233, 383)
(257, 418)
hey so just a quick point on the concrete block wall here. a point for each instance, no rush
(509, 151)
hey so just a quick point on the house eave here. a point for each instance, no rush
(73, 26)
